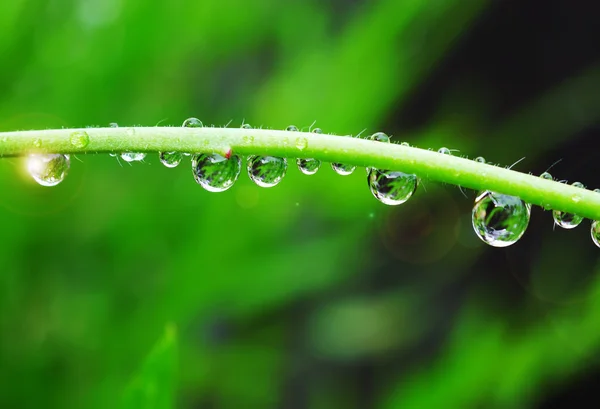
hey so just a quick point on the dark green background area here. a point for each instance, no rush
(130, 286)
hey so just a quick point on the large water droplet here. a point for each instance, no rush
(500, 220)
(266, 171)
(192, 123)
(214, 172)
(80, 139)
(308, 166)
(133, 156)
(48, 169)
(567, 220)
(391, 187)
(170, 159)
(342, 169)
(595, 232)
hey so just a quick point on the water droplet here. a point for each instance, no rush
(266, 171)
(317, 130)
(170, 159)
(404, 144)
(291, 128)
(546, 176)
(308, 166)
(342, 169)
(113, 125)
(391, 187)
(595, 232)
(301, 143)
(133, 156)
(597, 190)
(246, 126)
(379, 137)
(568, 220)
(192, 123)
(214, 172)
(37, 142)
(444, 151)
(48, 169)
(480, 159)
(80, 139)
(500, 220)
(114, 155)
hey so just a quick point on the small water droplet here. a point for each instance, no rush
(113, 125)
(391, 187)
(317, 130)
(597, 190)
(80, 139)
(500, 220)
(480, 159)
(404, 144)
(214, 172)
(291, 128)
(170, 159)
(246, 126)
(37, 142)
(546, 176)
(301, 143)
(192, 123)
(114, 155)
(444, 151)
(568, 220)
(379, 137)
(133, 156)
(308, 166)
(342, 169)
(48, 169)
(595, 232)
(266, 171)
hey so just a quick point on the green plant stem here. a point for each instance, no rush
(329, 148)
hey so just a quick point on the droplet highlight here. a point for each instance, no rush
(391, 187)
(79, 139)
(500, 220)
(133, 156)
(214, 172)
(192, 123)
(170, 159)
(266, 171)
(48, 169)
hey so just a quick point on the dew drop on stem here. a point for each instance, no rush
(500, 220)
(444, 151)
(48, 169)
(266, 171)
(170, 159)
(568, 220)
(133, 156)
(480, 159)
(192, 123)
(308, 166)
(391, 187)
(215, 172)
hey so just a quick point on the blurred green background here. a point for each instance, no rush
(131, 286)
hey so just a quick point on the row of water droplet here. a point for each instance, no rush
(498, 220)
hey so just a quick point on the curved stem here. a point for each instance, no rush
(330, 148)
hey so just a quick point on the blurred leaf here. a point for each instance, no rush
(154, 385)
